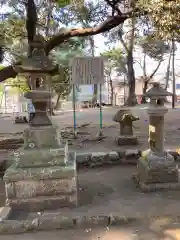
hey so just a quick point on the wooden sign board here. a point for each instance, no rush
(87, 70)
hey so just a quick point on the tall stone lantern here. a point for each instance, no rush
(156, 168)
(38, 70)
(43, 172)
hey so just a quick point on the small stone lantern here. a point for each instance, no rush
(156, 168)
(125, 119)
(38, 70)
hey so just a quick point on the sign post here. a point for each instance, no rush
(74, 110)
(88, 71)
(100, 108)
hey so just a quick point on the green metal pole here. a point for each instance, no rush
(74, 111)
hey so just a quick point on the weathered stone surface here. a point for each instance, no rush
(13, 174)
(113, 156)
(73, 198)
(11, 227)
(155, 186)
(84, 158)
(41, 203)
(92, 221)
(10, 190)
(26, 189)
(4, 213)
(126, 140)
(42, 137)
(99, 158)
(149, 174)
(131, 156)
(117, 220)
(39, 188)
(42, 158)
(31, 225)
(55, 221)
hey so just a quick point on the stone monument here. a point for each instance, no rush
(156, 168)
(125, 119)
(43, 174)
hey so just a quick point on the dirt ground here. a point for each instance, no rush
(86, 139)
(111, 190)
(106, 191)
(132, 232)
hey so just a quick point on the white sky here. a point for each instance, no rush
(151, 64)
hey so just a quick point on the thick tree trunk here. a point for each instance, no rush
(57, 102)
(131, 100)
(143, 100)
(112, 92)
(173, 74)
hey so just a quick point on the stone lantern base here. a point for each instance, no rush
(126, 140)
(156, 171)
(43, 174)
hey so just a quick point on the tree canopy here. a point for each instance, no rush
(59, 24)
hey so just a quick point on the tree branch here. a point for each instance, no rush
(108, 24)
(123, 42)
(155, 70)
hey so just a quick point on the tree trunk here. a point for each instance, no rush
(57, 102)
(112, 92)
(131, 100)
(143, 100)
(95, 90)
(168, 69)
(173, 74)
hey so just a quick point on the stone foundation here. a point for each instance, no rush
(39, 188)
(43, 173)
(126, 140)
(157, 172)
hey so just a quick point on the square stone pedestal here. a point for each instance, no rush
(157, 172)
(126, 140)
(43, 175)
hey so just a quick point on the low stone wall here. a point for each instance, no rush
(98, 159)
(58, 222)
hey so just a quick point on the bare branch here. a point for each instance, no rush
(114, 6)
(155, 70)
(123, 42)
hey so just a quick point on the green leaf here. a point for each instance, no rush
(64, 3)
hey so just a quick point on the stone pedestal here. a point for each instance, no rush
(123, 140)
(43, 174)
(126, 136)
(156, 171)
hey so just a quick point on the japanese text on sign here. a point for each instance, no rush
(88, 70)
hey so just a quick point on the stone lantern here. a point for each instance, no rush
(125, 119)
(43, 173)
(156, 168)
(38, 70)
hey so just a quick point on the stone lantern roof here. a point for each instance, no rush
(39, 62)
(157, 91)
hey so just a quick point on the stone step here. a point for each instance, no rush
(41, 203)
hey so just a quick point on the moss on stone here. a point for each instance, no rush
(144, 154)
